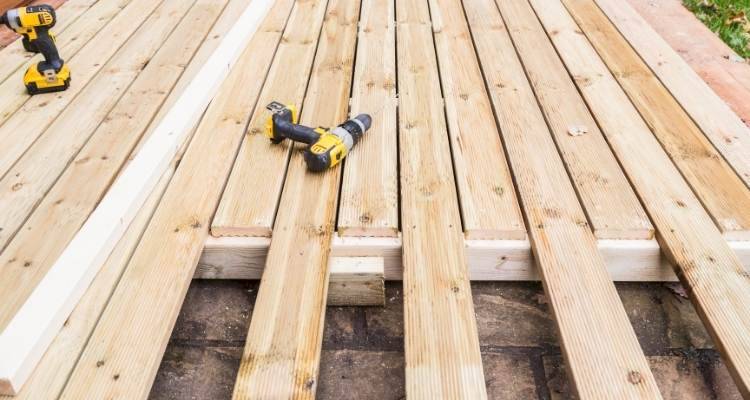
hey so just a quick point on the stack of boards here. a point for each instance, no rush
(552, 140)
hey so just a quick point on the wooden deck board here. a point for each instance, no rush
(150, 293)
(248, 205)
(608, 200)
(440, 333)
(713, 180)
(711, 272)
(284, 341)
(488, 203)
(368, 204)
(601, 350)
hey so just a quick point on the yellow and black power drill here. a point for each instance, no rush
(326, 147)
(34, 23)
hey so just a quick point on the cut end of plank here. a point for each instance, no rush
(738, 236)
(369, 231)
(229, 231)
(495, 234)
(646, 233)
(6, 388)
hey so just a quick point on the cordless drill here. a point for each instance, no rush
(326, 147)
(34, 23)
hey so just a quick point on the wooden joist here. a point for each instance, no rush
(440, 333)
(723, 127)
(488, 204)
(356, 281)
(369, 191)
(712, 273)
(248, 204)
(112, 101)
(722, 192)
(601, 351)
(610, 204)
(14, 56)
(283, 346)
(487, 260)
(38, 112)
(149, 295)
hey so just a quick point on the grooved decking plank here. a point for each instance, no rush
(601, 351)
(36, 113)
(612, 208)
(248, 205)
(24, 263)
(722, 192)
(124, 351)
(713, 275)
(488, 203)
(282, 352)
(14, 56)
(719, 123)
(440, 333)
(114, 102)
(369, 191)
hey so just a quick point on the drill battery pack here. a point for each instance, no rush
(47, 82)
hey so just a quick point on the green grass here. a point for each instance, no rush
(728, 18)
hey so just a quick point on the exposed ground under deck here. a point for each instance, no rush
(558, 141)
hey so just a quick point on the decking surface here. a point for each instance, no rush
(505, 134)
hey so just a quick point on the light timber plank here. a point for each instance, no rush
(33, 327)
(283, 346)
(487, 260)
(369, 192)
(717, 186)
(14, 56)
(440, 332)
(111, 106)
(601, 351)
(66, 207)
(488, 204)
(246, 209)
(37, 112)
(706, 265)
(723, 127)
(607, 198)
(356, 281)
(148, 297)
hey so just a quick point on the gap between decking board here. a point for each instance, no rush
(488, 260)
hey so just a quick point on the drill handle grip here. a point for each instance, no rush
(45, 44)
(295, 132)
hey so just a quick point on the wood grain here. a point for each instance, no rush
(148, 297)
(608, 200)
(440, 333)
(283, 346)
(706, 265)
(369, 191)
(724, 128)
(601, 351)
(717, 186)
(249, 203)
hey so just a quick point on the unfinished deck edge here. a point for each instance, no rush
(488, 260)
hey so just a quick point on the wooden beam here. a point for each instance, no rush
(717, 186)
(14, 56)
(601, 351)
(32, 329)
(487, 260)
(369, 191)
(440, 333)
(726, 131)
(356, 281)
(111, 102)
(244, 210)
(123, 362)
(283, 346)
(20, 112)
(612, 208)
(712, 273)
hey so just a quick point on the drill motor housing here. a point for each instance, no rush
(326, 147)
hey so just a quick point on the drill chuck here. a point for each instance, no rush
(334, 145)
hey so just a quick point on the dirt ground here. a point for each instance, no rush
(363, 346)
